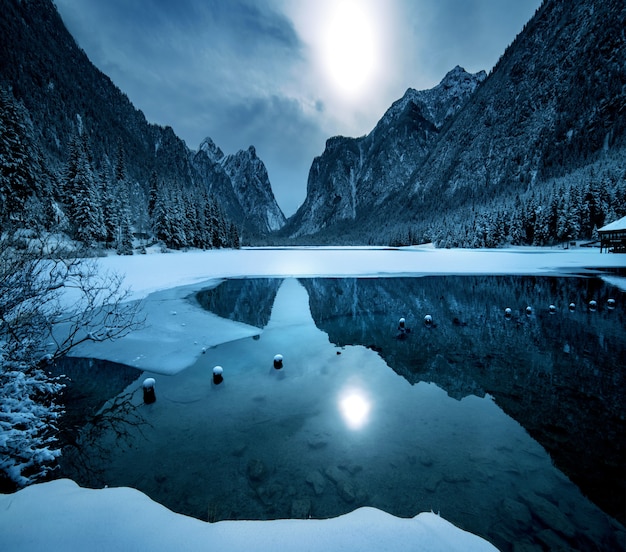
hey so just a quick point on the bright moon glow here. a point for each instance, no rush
(349, 47)
(355, 409)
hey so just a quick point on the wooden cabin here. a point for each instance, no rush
(613, 237)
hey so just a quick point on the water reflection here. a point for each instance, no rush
(355, 407)
(561, 375)
(431, 434)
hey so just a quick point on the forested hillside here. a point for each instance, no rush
(78, 157)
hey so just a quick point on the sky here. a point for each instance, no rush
(285, 75)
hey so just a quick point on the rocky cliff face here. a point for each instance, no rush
(356, 175)
(252, 187)
(242, 183)
(553, 103)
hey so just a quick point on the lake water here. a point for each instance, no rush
(512, 428)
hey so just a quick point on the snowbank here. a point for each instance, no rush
(60, 515)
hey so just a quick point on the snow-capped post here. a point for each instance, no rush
(529, 311)
(278, 362)
(552, 309)
(572, 307)
(508, 313)
(428, 320)
(218, 375)
(610, 304)
(403, 331)
(593, 305)
(149, 395)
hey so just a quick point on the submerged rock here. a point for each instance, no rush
(350, 492)
(317, 481)
(257, 471)
(334, 474)
(300, 508)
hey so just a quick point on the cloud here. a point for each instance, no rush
(470, 33)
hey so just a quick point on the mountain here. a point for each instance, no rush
(61, 96)
(242, 183)
(534, 154)
(253, 189)
(354, 176)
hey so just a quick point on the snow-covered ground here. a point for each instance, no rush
(149, 273)
(61, 516)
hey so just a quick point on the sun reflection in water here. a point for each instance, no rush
(355, 408)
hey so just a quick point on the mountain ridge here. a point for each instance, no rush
(359, 174)
(550, 115)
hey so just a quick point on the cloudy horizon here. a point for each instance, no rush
(285, 75)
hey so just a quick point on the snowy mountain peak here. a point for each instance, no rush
(460, 75)
(252, 187)
(439, 103)
(213, 152)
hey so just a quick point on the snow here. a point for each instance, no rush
(59, 515)
(145, 274)
(37, 517)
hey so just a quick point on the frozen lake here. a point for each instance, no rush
(510, 427)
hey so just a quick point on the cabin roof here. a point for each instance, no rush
(619, 224)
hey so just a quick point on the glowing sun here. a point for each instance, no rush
(349, 53)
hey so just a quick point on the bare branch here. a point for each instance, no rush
(48, 305)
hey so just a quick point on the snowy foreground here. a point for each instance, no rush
(62, 516)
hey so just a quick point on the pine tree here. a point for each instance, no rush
(234, 237)
(108, 214)
(123, 232)
(81, 195)
(567, 218)
(152, 197)
(18, 165)
(161, 218)
(121, 202)
(177, 220)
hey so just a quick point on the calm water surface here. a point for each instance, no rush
(512, 428)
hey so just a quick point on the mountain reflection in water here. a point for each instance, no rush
(560, 375)
(336, 429)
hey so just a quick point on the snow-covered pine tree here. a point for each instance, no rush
(161, 223)
(108, 209)
(153, 192)
(18, 162)
(82, 196)
(121, 202)
(234, 237)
